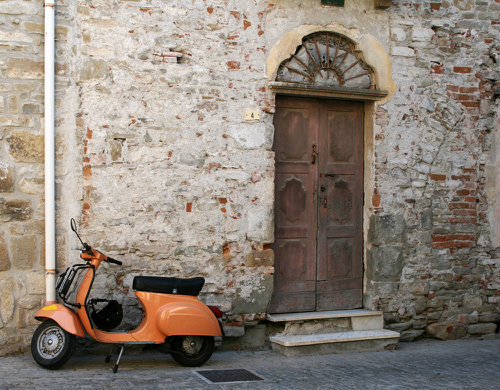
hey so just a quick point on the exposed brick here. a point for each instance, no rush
(437, 177)
(462, 69)
(233, 64)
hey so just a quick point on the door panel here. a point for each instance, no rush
(339, 259)
(318, 205)
(295, 205)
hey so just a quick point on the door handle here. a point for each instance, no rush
(325, 202)
(314, 154)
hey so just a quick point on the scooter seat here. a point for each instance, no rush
(157, 284)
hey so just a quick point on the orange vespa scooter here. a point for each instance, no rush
(173, 318)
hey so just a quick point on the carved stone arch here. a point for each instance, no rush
(327, 59)
(374, 59)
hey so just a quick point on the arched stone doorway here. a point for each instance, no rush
(324, 91)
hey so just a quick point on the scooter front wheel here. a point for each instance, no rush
(192, 351)
(51, 345)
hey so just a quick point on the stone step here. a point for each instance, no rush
(328, 321)
(338, 342)
(319, 315)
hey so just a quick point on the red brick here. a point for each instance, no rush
(87, 171)
(470, 104)
(471, 199)
(462, 237)
(460, 205)
(435, 6)
(463, 192)
(465, 212)
(222, 200)
(462, 177)
(441, 245)
(462, 69)
(233, 65)
(462, 96)
(210, 10)
(464, 244)
(437, 68)
(468, 89)
(471, 220)
(452, 88)
(246, 24)
(376, 200)
(437, 177)
(189, 207)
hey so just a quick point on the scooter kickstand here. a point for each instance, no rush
(115, 368)
(108, 357)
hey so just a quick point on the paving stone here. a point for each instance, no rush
(422, 365)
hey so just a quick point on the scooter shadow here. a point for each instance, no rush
(136, 361)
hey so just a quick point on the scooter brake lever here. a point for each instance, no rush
(77, 249)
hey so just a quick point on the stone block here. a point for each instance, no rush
(93, 69)
(403, 51)
(410, 335)
(15, 210)
(422, 34)
(489, 317)
(382, 4)
(4, 254)
(481, 328)
(26, 147)
(472, 302)
(6, 178)
(23, 68)
(384, 229)
(367, 323)
(419, 287)
(260, 226)
(448, 330)
(264, 258)
(385, 263)
(23, 252)
(7, 301)
(257, 300)
(32, 185)
(234, 331)
(248, 136)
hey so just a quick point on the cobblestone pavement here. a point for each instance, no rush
(464, 364)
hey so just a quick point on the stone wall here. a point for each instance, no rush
(162, 171)
(434, 141)
(21, 171)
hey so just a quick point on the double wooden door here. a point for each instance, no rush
(318, 245)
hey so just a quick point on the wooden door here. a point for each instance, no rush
(318, 146)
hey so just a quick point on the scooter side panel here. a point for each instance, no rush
(187, 318)
(65, 317)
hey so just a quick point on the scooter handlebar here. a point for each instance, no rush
(111, 260)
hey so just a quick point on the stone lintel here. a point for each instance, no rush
(296, 89)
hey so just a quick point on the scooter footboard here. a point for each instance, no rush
(187, 318)
(66, 318)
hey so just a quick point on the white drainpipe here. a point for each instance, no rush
(50, 215)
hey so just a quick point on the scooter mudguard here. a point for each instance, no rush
(66, 318)
(186, 318)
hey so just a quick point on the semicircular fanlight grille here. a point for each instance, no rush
(327, 60)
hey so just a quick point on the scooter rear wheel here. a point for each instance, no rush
(51, 345)
(192, 351)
